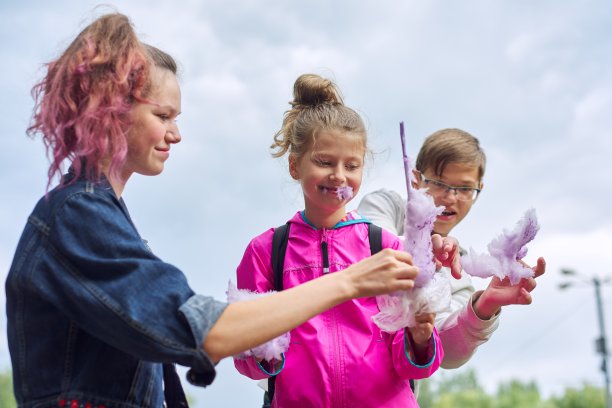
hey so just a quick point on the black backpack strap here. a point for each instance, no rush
(279, 247)
(173, 390)
(375, 237)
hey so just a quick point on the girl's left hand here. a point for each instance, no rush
(446, 253)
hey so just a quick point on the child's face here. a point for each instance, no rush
(154, 127)
(456, 175)
(335, 160)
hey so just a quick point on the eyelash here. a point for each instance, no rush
(324, 163)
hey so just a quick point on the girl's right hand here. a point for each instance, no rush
(385, 272)
(422, 331)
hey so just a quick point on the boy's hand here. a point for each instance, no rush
(446, 253)
(501, 293)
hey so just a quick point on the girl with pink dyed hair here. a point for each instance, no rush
(95, 319)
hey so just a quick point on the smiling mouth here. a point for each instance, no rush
(342, 193)
(446, 213)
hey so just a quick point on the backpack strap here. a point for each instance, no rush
(375, 237)
(279, 248)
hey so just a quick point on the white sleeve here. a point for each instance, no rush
(385, 208)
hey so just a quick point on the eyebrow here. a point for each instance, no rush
(169, 107)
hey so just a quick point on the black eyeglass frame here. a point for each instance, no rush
(475, 191)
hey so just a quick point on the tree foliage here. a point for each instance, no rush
(462, 390)
(7, 399)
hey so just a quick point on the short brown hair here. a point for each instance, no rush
(450, 146)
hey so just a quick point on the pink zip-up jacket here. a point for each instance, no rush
(339, 358)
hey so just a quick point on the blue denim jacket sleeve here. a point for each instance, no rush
(116, 289)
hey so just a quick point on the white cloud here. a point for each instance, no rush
(538, 97)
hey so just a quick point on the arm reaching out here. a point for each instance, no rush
(244, 325)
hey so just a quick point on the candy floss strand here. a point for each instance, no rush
(504, 252)
(430, 294)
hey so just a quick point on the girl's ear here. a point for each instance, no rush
(293, 167)
(416, 183)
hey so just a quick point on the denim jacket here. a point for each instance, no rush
(92, 312)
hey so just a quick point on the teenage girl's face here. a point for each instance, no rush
(334, 160)
(154, 128)
(457, 175)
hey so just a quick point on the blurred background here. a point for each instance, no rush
(531, 80)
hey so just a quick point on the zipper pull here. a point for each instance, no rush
(324, 252)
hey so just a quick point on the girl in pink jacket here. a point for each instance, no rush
(339, 358)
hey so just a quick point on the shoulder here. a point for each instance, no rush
(76, 201)
(382, 198)
(384, 194)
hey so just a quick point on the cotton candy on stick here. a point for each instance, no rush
(429, 295)
(504, 251)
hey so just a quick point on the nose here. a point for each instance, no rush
(173, 135)
(337, 175)
(450, 195)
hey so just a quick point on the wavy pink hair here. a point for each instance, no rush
(82, 106)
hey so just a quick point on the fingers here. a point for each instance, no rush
(437, 242)
(401, 256)
(529, 284)
(455, 267)
(540, 267)
(403, 271)
(427, 318)
(524, 297)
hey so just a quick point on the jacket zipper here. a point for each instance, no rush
(324, 251)
(337, 398)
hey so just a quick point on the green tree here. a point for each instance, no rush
(454, 391)
(517, 394)
(586, 397)
(7, 398)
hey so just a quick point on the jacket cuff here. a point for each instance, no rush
(201, 313)
(476, 322)
(272, 368)
(431, 349)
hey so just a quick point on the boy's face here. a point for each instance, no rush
(455, 209)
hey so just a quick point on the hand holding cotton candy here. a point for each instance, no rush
(504, 252)
(431, 294)
(271, 350)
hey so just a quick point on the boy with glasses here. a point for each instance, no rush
(451, 164)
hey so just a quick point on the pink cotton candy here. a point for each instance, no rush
(504, 251)
(273, 349)
(429, 295)
(421, 213)
(344, 193)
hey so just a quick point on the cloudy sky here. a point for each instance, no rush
(532, 80)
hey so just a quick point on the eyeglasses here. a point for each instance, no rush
(436, 187)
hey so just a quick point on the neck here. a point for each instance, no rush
(323, 219)
(118, 185)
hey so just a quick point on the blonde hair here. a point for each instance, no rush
(317, 105)
(450, 146)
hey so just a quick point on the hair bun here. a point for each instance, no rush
(312, 89)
